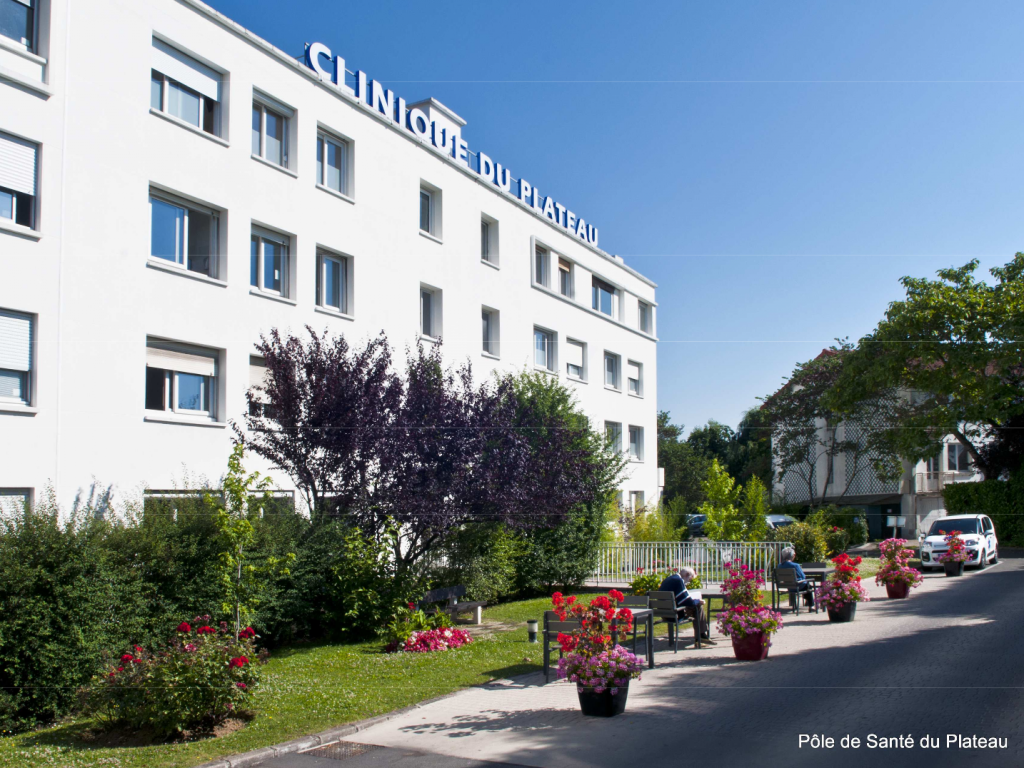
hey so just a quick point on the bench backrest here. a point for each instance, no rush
(813, 565)
(636, 601)
(444, 594)
(663, 603)
(553, 625)
(786, 577)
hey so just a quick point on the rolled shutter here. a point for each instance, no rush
(633, 370)
(574, 353)
(181, 361)
(15, 341)
(18, 164)
(186, 70)
(257, 371)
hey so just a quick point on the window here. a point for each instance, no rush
(184, 234)
(636, 500)
(16, 332)
(180, 379)
(430, 312)
(490, 331)
(565, 278)
(14, 500)
(332, 163)
(636, 443)
(18, 20)
(613, 436)
(258, 378)
(611, 370)
(957, 458)
(934, 464)
(575, 352)
(332, 281)
(430, 210)
(270, 133)
(544, 349)
(185, 89)
(489, 240)
(268, 262)
(603, 297)
(634, 376)
(644, 320)
(18, 159)
(540, 266)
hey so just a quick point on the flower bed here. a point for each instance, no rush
(435, 640)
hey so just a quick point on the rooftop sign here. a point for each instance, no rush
(443, 138)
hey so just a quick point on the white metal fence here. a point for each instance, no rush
(620, 563)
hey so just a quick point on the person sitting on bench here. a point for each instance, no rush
(788, 556)
(676, 582)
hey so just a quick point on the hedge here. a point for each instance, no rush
(1001, 500)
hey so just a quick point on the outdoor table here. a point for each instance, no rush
(645, 615)
(708, 597)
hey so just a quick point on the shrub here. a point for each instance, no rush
(850, 519)
(483, 557)
(1003, 501)
(200, 678)
(836, 540)
(808, 540)
(564, 555)
(407, 623)
(643, 583)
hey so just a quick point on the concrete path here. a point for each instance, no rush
(945, 662)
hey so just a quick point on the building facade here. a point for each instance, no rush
(172, 187)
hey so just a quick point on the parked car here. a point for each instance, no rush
(977, 532)
(780, 521)
(695, 523)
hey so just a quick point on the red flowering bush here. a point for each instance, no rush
(843, 586)
(743, 586)
(589, 652)
(894, 568)
(197, 680)
(957, 549)
(435, 640)
(409, 620)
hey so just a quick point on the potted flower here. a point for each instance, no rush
(955, 556)
(747, 622)
(601, 670)
(842, 591)
(897, 576)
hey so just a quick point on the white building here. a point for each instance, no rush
(172, 186)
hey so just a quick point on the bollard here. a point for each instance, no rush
(531, 630)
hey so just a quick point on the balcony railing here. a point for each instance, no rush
(934, 482)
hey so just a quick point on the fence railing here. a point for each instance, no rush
(619, 563)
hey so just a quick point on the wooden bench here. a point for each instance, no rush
(552, 628)
(664, 605)
(450, 597)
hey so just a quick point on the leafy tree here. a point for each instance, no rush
(715, 441)
(734, 512)
(955, 348)
(324, 416)
(685, 467)
(246, 573)
(809, 431)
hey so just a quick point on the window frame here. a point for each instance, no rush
(541, 265)
(639, 381)
(28, 202)
(617, 371)
(435, 313)
(598, 284)
(324, 255)
(215, 214)
(645, 317)
(582, 376)
(32, 46)
(489, 250)
(636, 438)
(165, 103)
(266, 104)
(171, 385)
(27, 378)
(263, 234)
(323, 137)
(614, 444)
(633, 499)
(550, 352)
(491, 337)
(566, 284)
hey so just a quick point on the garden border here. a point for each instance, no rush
(333, 735)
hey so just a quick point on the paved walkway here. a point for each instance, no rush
(946, 661)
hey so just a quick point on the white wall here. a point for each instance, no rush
(96, 299)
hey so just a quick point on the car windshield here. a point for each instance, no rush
(945, 527)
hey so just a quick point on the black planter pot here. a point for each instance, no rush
(953, 568)
(844, 613)
(604, 704)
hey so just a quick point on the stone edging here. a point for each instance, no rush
(331, 735)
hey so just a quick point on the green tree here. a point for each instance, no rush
(685, 467)
(734, 512)
(246, 573)
(955, 347)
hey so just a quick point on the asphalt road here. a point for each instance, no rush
(944, 665)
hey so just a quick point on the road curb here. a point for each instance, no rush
(332, 735)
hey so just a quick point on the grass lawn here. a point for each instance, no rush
(308, 689)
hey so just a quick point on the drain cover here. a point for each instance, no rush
(342, 750)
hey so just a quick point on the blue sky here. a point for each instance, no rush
(775, 168)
